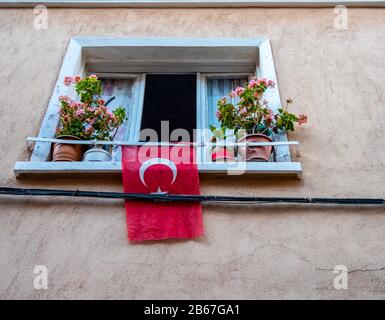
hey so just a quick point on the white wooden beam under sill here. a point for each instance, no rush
(187, 3)
(268, 169)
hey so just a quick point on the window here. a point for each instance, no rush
(119, 93)
(170, 98)
(140, 73)
(217, 86)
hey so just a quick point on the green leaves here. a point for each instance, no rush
(120, 114)
(285, 121)
(252, 113)
(219, 134)
(88, 87)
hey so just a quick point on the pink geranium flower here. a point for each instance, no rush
(262, 81)
(243, 110)
(239, 90)
(100, 101)
(68, 81)
(252, 84)
(302, 119)
(64, 99)
(74, 104)
(80, 112)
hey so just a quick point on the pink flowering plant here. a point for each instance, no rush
(252, 112)
(89, 118)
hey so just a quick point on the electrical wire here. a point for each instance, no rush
(187, 198)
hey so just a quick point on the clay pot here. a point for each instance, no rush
(223, 154)
(255, 153)
(67, 152)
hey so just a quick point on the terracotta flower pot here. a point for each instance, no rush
(67, 152)
(223, 154)
(255, 153)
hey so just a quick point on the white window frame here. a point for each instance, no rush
(118, 57)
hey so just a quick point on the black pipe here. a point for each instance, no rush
(109, 100)
(187, 198)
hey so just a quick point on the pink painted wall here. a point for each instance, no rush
(335, 76)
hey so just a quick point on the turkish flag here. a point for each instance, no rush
(171, 170)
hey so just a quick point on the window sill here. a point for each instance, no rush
(265, 169)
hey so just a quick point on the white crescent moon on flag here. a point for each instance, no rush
(145, 165)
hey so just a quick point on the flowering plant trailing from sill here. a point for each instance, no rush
(87, 119)
(252, 120)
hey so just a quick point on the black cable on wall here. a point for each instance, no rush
(187, 198)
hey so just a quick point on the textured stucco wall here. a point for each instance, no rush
(336, 76)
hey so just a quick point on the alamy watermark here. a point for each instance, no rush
(341, 17)
(40, 280)
(177, 151)
(40, 22)
(341, 280)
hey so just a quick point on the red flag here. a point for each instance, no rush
(169, 170)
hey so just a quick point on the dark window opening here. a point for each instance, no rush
(170, 98)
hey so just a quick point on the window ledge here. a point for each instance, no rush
(265, 169)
